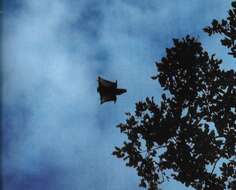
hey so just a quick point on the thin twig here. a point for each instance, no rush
(214, 165)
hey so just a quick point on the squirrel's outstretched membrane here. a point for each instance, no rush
(108, 90)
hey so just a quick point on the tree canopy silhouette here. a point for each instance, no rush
(191, 134)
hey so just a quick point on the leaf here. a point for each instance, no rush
(154, 77)
(214, 23)
(226, 42)
(233, 4)
(224, 22)
(163, 96)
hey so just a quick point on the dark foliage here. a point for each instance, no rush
(227, 28)
(192, 132)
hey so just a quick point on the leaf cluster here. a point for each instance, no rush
(226, 28)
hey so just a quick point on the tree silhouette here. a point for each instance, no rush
(191, 135)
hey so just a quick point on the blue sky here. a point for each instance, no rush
(56, 134)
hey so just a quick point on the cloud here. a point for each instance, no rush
(56, 135)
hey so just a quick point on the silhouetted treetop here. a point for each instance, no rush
(192, 129)
(191, 133)
(187, 70)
